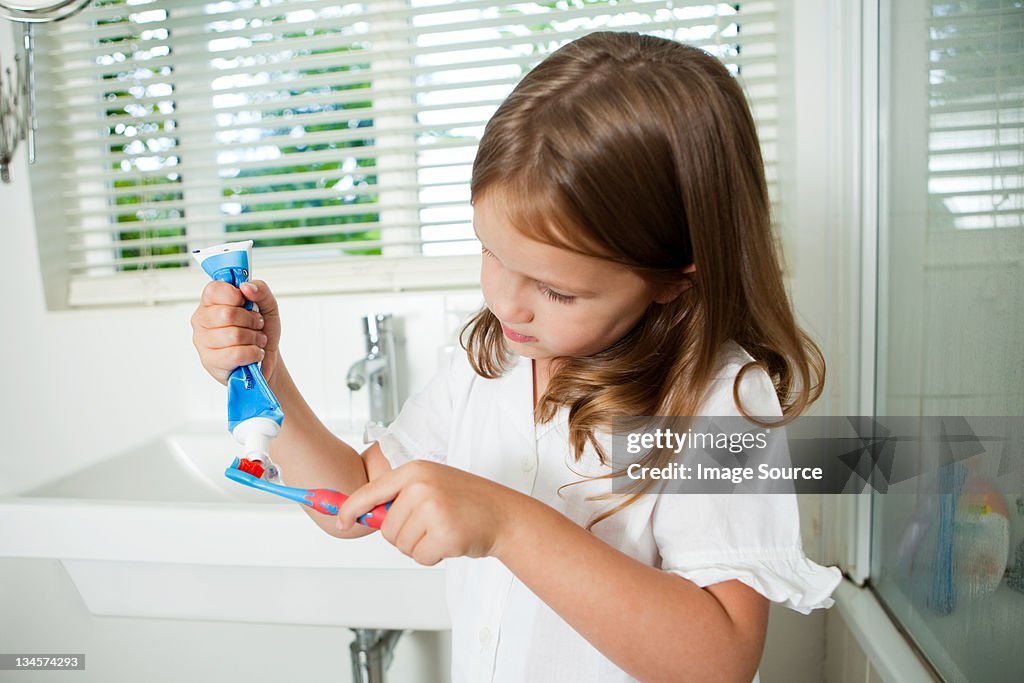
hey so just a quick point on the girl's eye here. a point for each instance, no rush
(555, 296)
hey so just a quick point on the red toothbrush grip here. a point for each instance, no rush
(375, 517)
(328, 501)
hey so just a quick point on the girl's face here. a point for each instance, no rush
(553, 302)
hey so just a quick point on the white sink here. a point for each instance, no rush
(158, 531)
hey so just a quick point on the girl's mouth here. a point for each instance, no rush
(512, 335)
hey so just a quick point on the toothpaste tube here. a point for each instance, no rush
(254, 413)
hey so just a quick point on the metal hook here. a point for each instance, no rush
(13, 113)
(18, 97)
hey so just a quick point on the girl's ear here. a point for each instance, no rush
(671, 291)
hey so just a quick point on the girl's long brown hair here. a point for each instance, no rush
(643, 151)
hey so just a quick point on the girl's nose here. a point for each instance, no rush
(510, 303)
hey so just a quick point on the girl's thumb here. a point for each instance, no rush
(260, 293)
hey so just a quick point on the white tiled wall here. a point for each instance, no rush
(845, 661)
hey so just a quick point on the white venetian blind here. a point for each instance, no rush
(330, 133)
(976, 114)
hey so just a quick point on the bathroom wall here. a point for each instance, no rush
(845, 659)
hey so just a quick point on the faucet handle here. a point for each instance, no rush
(377, 325)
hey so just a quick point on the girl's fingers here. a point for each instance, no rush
(221, 293)
(424, 551)
(226, 360)
(368, 496)
(226, 337)
(410, 533)
(402, 529)
(215, 316)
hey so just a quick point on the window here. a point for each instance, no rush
(338, 136)
(976, 114)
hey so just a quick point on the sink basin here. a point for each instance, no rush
(158, 531)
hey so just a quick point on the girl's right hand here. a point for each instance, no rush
(227, 336)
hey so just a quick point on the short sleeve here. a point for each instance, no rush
(423, 425)
(752, 538)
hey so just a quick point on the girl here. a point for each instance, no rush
(628, 269)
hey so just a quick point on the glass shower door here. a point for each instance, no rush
(951, 321)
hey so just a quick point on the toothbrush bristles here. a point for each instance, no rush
(252, 467)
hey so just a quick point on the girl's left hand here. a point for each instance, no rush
(438, 511)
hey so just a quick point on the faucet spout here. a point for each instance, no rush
(356, 377)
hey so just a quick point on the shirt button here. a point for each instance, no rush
(485, 636)
(527, 464)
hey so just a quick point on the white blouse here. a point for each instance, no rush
(500, 630)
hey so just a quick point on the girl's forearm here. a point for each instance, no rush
(654, 625)
(310, 455)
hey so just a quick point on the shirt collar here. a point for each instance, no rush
(517, 396)
(517, 401)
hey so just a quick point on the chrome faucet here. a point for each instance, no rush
(379, 369)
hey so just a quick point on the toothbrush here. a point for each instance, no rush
(325, 501)
(942, 597)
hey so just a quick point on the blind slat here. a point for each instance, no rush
(338, 137)
(184, 256)
(245, 182)
(329, 42)
(195, 36)
(258, 198)
(280, 215)
(307, 158)
(984, 172)
(183, 247)
(298, 232)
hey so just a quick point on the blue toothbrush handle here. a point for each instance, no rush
(246, 479)
(326, 501)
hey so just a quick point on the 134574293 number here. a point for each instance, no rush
(14, 662)
(59, 662)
